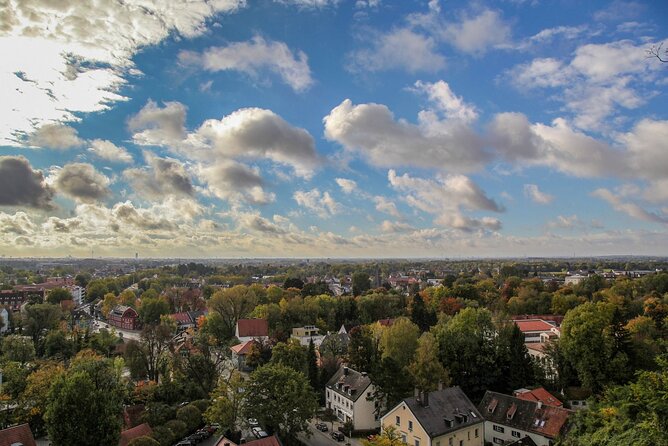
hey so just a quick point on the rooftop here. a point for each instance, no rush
(533, 325)
(443, 411)
(529, 416)
(349, 383)
(253, 327)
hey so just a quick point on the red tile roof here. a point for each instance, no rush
(243, 348)
(17, 434)
(554, 418)
(542, 395)
(138, 431)
(181, 318)
(533, 325)
(253, 327)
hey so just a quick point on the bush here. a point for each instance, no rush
(164, 435)
(143, 441)
(202, 405)
(158, 413)
(190, 415)
(178, 428)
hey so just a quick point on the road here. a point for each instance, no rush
(324, 439)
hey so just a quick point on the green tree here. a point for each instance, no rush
(293, 282)
(361, 283)
(96, 289)
(151, 309)
(281, 399)
(589, 344)
(466, 345)
(85, 405)
(18, 348)
(389, 437)
(633, 414)
(312, 366)
(426, 369)
(399, 341)
(190, 415)
(57, 344)
(226, 403)
(291, 354)
(231, 305)
(57, 295)
(421, 316)
(362, 349)
(516, 369)
(143, 441)
(34, 399)
(38, 319)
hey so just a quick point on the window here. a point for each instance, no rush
(410, 425)
(515, 434)
(398, 421)
(476, 433)
(499, 429)
(450, 441)
(498, 440)
(403, 438)
(468, 433)
(417, 442)
(461, 442)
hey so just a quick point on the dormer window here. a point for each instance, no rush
(492, 405)
(511, 411)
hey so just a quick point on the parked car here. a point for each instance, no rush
(253, 422)
(322, 427)
(338, 436)
(204, 432)
(259, 433)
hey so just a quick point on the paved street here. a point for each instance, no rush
(324, 439)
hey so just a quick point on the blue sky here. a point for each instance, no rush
(325, 128)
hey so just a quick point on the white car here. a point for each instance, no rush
(259, 433)
(253, 422)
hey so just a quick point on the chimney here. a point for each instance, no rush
(365, 374)
(345, 370)
(540, 404)
(425, 399)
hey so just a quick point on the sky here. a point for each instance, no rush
(333, 128)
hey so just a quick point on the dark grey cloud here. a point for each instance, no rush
(162, 177)
(20, 185)
(82, 182)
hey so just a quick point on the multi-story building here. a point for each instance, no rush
(350, 396)
(508, 419)
(441, 418)
(124, 317)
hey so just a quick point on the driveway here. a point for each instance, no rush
(324, 439)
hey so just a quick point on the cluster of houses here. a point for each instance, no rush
(446, 417)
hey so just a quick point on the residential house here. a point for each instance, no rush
(349, 394)
(444, 417)
(576, 397)
(17, 435)
(307, 334)
(248, 329)
(574, 279)
(508, 419)
(130, 434)
(239, 353)
(183, 321)
(537, 330)
(538, 394)
(124, 317)
(13, 299)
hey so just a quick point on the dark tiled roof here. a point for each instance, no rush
(253, 327)
(138, 431)
(17, 434)
(528, 416)
(451, 404)
(349, 383)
